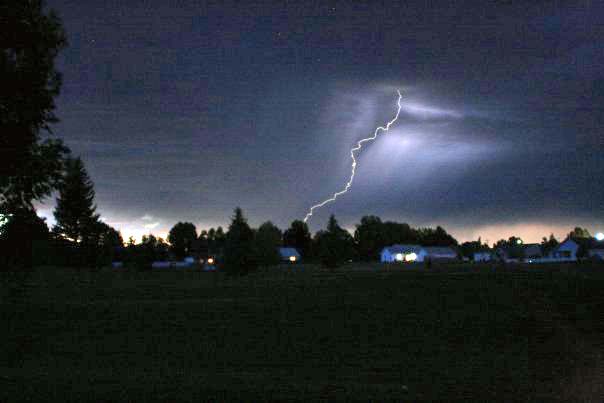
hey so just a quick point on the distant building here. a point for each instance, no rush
(416, 253)
(289, 255)
(573, 249)
(532, 251)
(483, 256)
(566, 251)
(597, 254)
(400, 253)
(436, 253)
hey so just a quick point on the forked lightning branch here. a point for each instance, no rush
(356, 148)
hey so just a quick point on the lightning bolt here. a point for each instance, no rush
(354, 160)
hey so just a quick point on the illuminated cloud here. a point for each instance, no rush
(429, 112)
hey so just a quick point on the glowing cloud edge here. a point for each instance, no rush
(354, 161)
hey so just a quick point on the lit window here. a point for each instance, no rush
(292, 259)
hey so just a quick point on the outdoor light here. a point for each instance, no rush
(399, 257)
(292, 259)
(411, 257)
(519, 241)
(600, 236)
(210, 260)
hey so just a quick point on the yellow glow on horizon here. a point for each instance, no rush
(529, 232)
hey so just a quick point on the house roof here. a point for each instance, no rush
(587, 243)
(287, 252)
(404, 249)
(439, 250)
(532, 250)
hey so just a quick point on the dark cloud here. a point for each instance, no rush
(184, 112)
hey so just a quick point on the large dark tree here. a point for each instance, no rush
(75, 210)
(266, 244)
(549, 244)
(24, 240)
(335, 245)
(105, 243)
(298, 236)
(468, 249)
(30, 167)
(181, 238)
(579, 233)
(239, 246)
(435, 237)
(395, 233)
(370, 238)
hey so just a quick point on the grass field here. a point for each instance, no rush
(362, 332)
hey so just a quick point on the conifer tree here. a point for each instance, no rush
(75, 211)
(239, 246)
(335, 245)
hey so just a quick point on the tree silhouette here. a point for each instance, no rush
(549, 244)
(181, 237)
(266, 244)
(30, 42)
(75, 209)
(298, 236)
(335, 245)
(22, 239)
(105, 242)
(579, 233)
(239, 248)
(370, 238)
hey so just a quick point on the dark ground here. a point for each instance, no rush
(363, 332)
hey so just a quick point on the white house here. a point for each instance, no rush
(484, 256)
(596, 253)
(436, 253)
(566, 251)
(400, 253)
(416, 253)
(289, 255)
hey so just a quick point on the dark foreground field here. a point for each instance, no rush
(376, 334)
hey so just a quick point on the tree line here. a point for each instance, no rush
(34, 164)
(80, 238)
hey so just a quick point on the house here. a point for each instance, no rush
(400, 253)
(532, 251)
(416, 253)
(289, 254)
(596, 254)
(573, 249)
(436, 253)
(483, 256)
(566, 251)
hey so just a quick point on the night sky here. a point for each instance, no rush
(183, 111)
